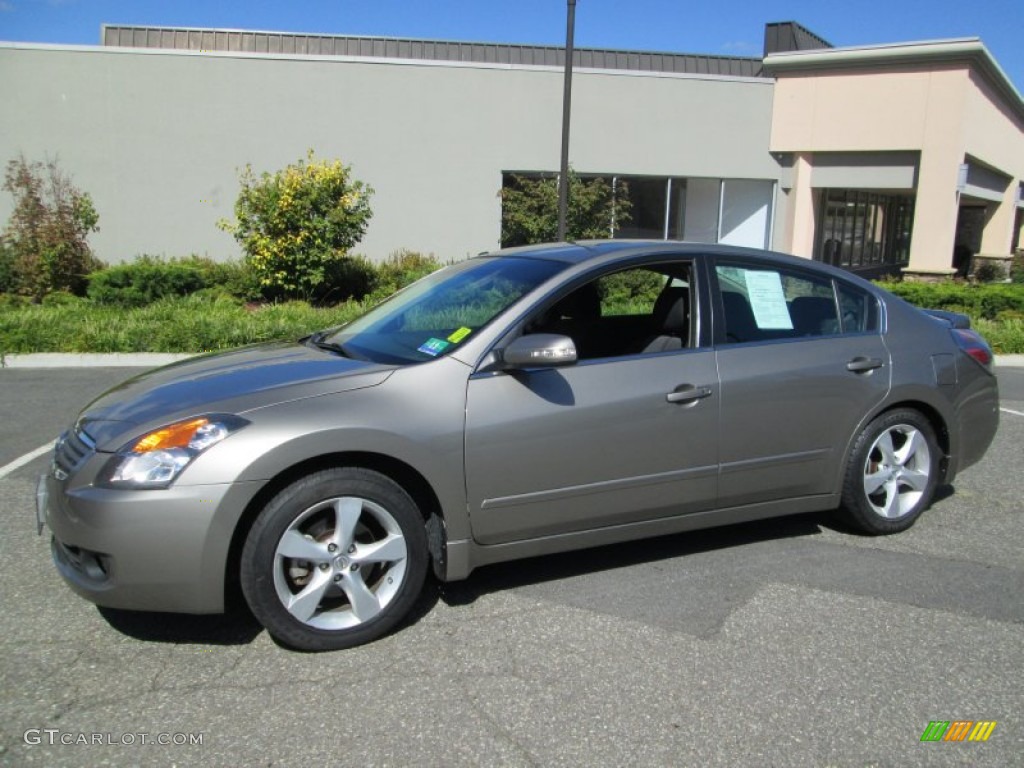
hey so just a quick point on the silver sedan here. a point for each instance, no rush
(521, 403)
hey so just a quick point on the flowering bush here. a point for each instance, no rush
(44, 247)
(297, 225)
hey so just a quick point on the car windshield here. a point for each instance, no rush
(435, 315)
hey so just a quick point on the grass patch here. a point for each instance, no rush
(1006, 337)
(188, 324)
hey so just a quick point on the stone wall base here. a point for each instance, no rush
(927, 276)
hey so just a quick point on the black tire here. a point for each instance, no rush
(897, 456)
(336, 559)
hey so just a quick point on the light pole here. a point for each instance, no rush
(563, 176)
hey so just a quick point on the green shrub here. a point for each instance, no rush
(48, 230)
(529, 209)
(988, 273)
(144, 281)
(61, 299)
(8, 282)
(350, 277)
(984, 301)
(1017, 267)
(233, 278)
(297, 225)
(151, 278)
(631, 291)
(403, 268)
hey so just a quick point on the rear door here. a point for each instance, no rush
(801, 361)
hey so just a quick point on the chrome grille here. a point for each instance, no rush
(72, 449)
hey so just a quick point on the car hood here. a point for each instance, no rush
(228, 382)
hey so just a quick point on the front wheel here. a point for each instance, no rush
(336, 559)
(892, 474)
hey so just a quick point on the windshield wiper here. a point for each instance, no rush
(317, 340)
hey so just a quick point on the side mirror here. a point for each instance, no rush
(539, 350)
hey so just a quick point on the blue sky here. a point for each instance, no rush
(733, 27)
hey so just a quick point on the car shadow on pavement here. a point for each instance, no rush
(521, 573)
(239, 627)
(236, 627)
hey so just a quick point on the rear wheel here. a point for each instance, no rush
(892, 474)
(336, 559)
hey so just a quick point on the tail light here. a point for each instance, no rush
(971, 342)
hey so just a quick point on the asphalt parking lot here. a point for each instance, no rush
(786, 642)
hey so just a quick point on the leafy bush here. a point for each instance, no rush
(529, 210)
(233, 278)
(61, 299)
(630, 292)
(350, 277)
(296, 226)
(988, 273)
(1017, 268)
(984, 301)
(46, 235)
(144, 281)
(8, 276)
(151, 278)
(403, 268)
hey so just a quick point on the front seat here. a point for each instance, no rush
(672, 316)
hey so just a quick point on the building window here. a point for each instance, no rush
(656, 212)
(702, 210)
(860, 230)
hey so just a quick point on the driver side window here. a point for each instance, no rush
(641, 310)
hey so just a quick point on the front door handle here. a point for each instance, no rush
(687, 393)
(863, 364)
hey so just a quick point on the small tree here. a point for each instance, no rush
(297, 225)
(46, 235)
(529, 209)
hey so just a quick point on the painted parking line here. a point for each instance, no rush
(21, 461)
(1010, 410)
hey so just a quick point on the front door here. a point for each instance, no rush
(627, 434)
(591, 445)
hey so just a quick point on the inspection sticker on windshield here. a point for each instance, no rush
(434, 347)
(768, 300)
(460, 334)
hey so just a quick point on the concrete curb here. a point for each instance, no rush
(115, 360)
(153, 359)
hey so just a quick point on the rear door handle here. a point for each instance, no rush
(863, 364)
(687, 393)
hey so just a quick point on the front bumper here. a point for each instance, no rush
(160, 550)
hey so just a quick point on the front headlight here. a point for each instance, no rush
(155, 460)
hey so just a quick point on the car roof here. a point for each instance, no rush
(598, 251)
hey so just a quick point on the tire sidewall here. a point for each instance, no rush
(855, 504)
(258, 556)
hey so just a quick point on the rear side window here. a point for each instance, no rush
(858, 310)
(764, 304)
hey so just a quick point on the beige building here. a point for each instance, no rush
(878, 159)
(914, 148)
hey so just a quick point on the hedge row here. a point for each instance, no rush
(990, 301)
(149, 279)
